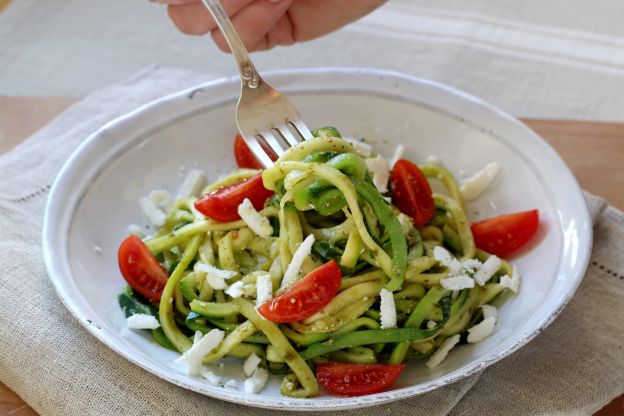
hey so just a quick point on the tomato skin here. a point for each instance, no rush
(141, 269)
(245, 157)
(411, 193)
(222, 204)
(357, 379)
(506, 233)
(306, 297)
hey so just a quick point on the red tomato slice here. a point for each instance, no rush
(357, 379)
(507, 233)
(141, 269)
(222, 204)
(306, 297)
(245, 157)
(411, 193)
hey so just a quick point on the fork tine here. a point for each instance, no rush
(301, 128)
(272, 142)
(287, 135)
(258, 151)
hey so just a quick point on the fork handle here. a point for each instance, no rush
(247, 69)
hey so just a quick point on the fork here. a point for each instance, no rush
(266, 118)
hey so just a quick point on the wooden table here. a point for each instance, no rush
(594, 152)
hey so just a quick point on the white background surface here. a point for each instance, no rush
(558, 59)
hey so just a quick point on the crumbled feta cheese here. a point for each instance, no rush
(482, 330)
(474, 186)
(387, 309)
(379, 168)
(440, 354)
(192, 185)
(142, 321)
(489, 311)
(212, 378)
(294, 177)
(431, 324)
(97, 249)
(202, 345)
(152, 212)
(136, 230)
(231, 384)
(264, 288)
(512, 282)
(215, 277)
(398, 155)
(433, 160)
(458, 282)
(257, 381)
(446, 259)
(162, 199)
(487, 270)
(302, 252)
(470, 266)
(258, 223)
(364, 149)
(250, 364)
(235, 290)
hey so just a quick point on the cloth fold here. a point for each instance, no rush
(574, 367)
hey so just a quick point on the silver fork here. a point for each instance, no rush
(264, 115)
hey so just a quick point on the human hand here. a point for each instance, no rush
(264, 24)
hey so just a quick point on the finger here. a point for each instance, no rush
(281, 34)
(253, 22)
(193, 18)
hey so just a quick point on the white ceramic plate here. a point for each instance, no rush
(96, 195)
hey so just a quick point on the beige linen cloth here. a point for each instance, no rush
(574, 367)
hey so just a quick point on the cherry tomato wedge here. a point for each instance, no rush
(245, 157)
(505, 234)
(141, 269)
(306, 297)
(222, 204)
(411, 193)
(357, 379)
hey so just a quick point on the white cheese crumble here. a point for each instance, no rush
(387, 309)
(379, 168)
(487, 270)
(257, 381)
(512, 282)
(433, 160)
(251, 363)
(202, 345)
(235, 290)
(162, 199)
(440, 354)
(470, 266)
(212, 378)
(474, 186)
(152, 212)
(431, 324)
(142, 321)
(397, 155)
(192, 185)
(364, 149)
(136, 230)
(264, 289)
(231, 384)
(458, 282)
(446, 259)
(258, 223)
(482, 330)
(406, 223)
(294, 177)
(303, 251)
(215, 277)
(489, 311)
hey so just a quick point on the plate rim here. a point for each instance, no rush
(50, 240)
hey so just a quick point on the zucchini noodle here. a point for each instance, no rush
(324, 189)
